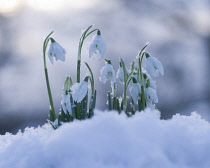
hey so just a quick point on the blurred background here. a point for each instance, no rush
(178, 31)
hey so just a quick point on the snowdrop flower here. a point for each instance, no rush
(107, 72)
(66, 103)
(154, 66)
(151, 97)
(135, 90)
(79, 91)
(120, 74)
(153, 84)
(97, 46)
(56, 51)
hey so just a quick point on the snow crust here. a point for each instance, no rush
(109, 140)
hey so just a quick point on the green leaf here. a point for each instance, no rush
(109, 101)
(124, 70)
(118, 105)
(91, 76)
(143, 49)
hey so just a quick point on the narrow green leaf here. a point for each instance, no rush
(143, 49)
(109, 101)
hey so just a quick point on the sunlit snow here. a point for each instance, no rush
(109, 140)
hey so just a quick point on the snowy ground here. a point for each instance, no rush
(109, 140)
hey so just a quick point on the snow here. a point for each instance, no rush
(109, 140)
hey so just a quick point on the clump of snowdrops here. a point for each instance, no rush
(79, 100)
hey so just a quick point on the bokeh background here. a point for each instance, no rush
(178, 31)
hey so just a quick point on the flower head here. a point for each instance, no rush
(151, 97)
(56, 51)
(97, 46)
(120, 74)
(66, 103)
(135, 90)
(107, 72)
(154, 66)
(79, 91)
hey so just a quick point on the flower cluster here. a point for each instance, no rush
(137, 80)
(79, 100)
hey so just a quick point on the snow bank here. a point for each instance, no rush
(109, 140)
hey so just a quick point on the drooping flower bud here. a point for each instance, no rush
(56, 51)
(79, 91)
(107, 73)
(135, 90)
(97, 46)
(153, 66)
(66, 103)
(120, 73)
(151, 97)
(67, 84)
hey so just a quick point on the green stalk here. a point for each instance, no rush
(141, 55)
(114, 97)
(52, 109)
(109, 100)
(124, 102)
(82, 38)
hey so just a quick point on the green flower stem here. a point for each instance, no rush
(52, 109)
(124, 99)
(109, 100)
(141, 55)
(82, 38)
(78, 108)
(91, 77)
(114, 96)
(92, 32)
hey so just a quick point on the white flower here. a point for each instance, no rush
(154, 66)
(79, 91)
(151, 97)
(120, 74)
(135, 90)
(56, 51)
(107, 72)
(66, 104)
(97, 46)
(153, 84)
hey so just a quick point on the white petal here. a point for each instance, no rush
(159, 65)
(153, 84)
(101, 47)
(120, 74)
(91, 50)
(79, 91)
(106, 73)
(151, 95)
(134, 91)
(97, 47)
(151, 68)
(51, 53)
(59, 51)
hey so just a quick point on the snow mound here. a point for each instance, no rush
(109, 140)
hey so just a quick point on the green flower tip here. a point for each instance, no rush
(52, 40)
(98, 32)
(134, 80)
(108, 61)
(68, 83)
(145, 76)
(147, 54)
